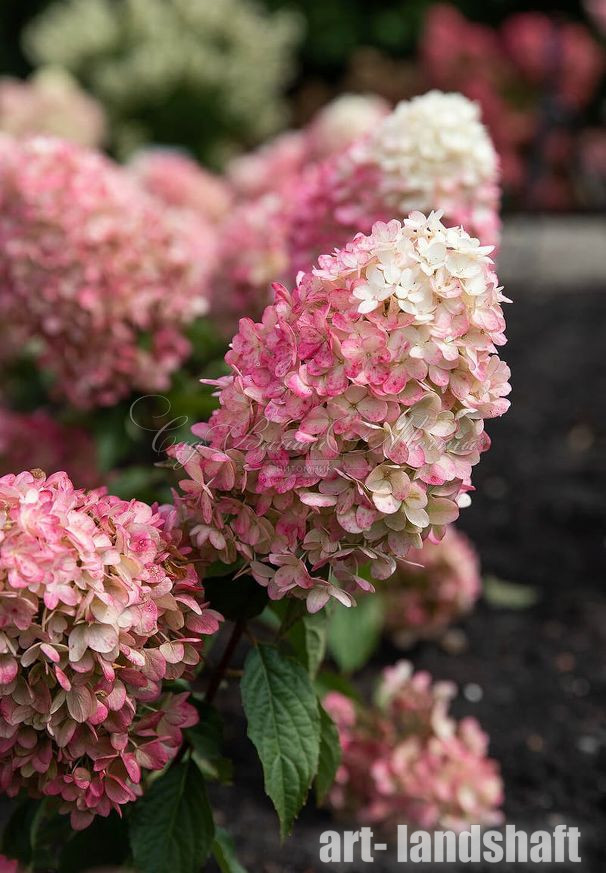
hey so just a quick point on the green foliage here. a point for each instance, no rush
(284, 724)
(308, 640)
(509, 595)
(354, 633)
(330, 755)
(328, 681)
(206, 740)
(171, 827)
(224, 853)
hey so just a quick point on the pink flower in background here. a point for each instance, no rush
(432, 588)
(559, 55)
(8, 866)
(353, 414)
(407, 760)
(51, 102)
(37, 440)
(97, 275)
(181, 183)
(271, 168)
(275, 167)
(98, 604)
(533, 60)
(429, 153)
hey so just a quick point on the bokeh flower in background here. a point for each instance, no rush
(353, 414)
(181, 183)
(532, 78)
(204, 75)
(51, 102)
(431, 589)
(96, 275)
(429, 153)
(406, 760)
(37, 439)
(275, 167)
(99, 605)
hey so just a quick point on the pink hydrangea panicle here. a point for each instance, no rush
(406, 760)
(353, 413)
(7, 865)
(430, 153)
(431, 588)
(38, 440)
(96, 274)
(276, 166)
(181, 183)
(51, 102)
(99, 603)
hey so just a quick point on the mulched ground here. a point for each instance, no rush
(538, 518)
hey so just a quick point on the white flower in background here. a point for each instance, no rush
(343, 121)
(230, 57)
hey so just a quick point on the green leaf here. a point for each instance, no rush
(224, 853)
(236, 598)
(509, 595)
(330, 755)
(354, 632)
(206, 740)
(308, 639)
(171, 827)
(328, 681)
(284, 724)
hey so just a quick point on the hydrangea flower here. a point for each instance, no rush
(431, 152)
(98, 604)
(343, 121)
(98, 275)
(270, 169)
(50, 102)
(36, 439)
(181, 183)
(433, 587)
(407, 760)
(276, 166)
(353, 414)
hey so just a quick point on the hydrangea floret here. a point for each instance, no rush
(353, 414)
(98, 604)
(406, 759)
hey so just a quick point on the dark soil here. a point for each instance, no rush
(538, 518)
